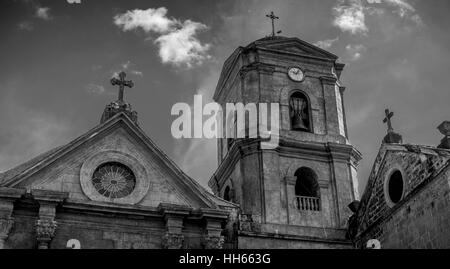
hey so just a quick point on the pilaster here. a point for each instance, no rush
(46, 224)
(174, 216)
(212, 236)
(7, 198)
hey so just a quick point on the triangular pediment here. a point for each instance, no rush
(418, 165)
(293, 45)
(69, 168)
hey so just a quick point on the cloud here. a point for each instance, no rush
(26, 25)
(355, 51)
(150, 20)
(177, 41)
(403, 7)
(181, 47)
(199, 166)
(129, 67)
(95, 89)
(74, 1)
(43, 13)
(350, 17)
(326, 44)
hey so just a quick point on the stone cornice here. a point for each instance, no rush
(174, 210)
(11, 193)
(328, 80)
(216, 214)
(101, 208)
(295, 237)
(49, 196)
(294, 54)
(311, 150)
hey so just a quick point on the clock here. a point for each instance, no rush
(296, 74)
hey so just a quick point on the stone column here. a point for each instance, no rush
(212, 235)
(46, 224)
(173, 216)
(7, 198)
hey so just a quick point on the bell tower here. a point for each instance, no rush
(300, 190)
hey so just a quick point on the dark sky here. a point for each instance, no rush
(57, 58)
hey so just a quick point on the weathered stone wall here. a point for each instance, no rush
(64, 174)
(274, 242)
(422, 218)
(100, 231)
(264, 179)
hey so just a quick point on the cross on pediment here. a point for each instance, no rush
(387, 120)
(122, 84)
(273, 18)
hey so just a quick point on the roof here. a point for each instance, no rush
(13, 172)
(438, 158)
(13, 177)
(279, 44)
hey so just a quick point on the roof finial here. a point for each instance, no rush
(444, 128)
(273, 18)
(122, 84)
(391, 137)
(119, 106)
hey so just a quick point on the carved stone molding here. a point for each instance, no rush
(45, 231)
(6, 225)
(172, 241)
(249, 223)
(213, 242)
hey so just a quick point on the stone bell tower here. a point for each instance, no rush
(295, 195)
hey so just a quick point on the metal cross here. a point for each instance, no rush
(273, 18)
(387, 120)
(122, 84)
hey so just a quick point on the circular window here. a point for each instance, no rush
(114, 180)
(395, 187)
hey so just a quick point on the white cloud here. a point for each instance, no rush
(74, 1)
(43, 13)
(199, 166)
(150, 20)
(355, 51)
(181, 46)
(95, 89)
(128, 67)
(326, 44)
(26, 25)
(350, 16)
(403, 7)
(177, 41)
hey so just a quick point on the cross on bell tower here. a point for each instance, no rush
(391, 137)
(272, 17)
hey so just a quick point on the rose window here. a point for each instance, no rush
(114, 180)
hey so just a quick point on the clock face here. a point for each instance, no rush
(296, 74)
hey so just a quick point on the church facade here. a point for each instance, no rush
(114, 188)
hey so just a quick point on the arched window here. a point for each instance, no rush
(299, 109)
(307, 190)
(226, 194)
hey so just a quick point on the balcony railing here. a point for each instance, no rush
(308, 203)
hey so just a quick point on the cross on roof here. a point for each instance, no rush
(387, 120)
(273, 18)
(122, 84)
